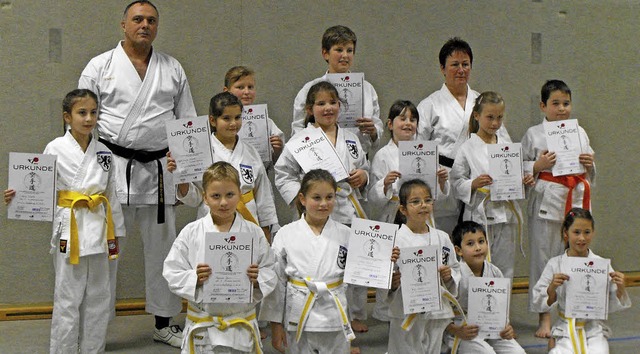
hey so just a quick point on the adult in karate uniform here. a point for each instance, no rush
(139, 89)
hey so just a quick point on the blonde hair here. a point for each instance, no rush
(236, 73)
(487, 97)
(220, 171)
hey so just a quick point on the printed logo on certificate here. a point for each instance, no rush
(506, 171)
(255, 129)
(229, 255)
(587, 290)
(33, 177)
(419, 159)
(350, 88)
(488, 308)
(419, 279)
(190, 145)
(370, 247)
(312, 149)
(563, 138)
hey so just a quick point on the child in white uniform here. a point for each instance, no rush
(421, 333)
(86, 191)
(552, 197)
(470, 179)
(591, 335)
(470, 241)
(210, 327)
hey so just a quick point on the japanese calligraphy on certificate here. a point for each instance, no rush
(505, 169)
(350, 87)
(419, 159)
(255, 129)
(587, 290)
(190, 145)
(314, 150)
(488, 308)
(33, 177)
(563, 138)
(370, 247)
(419, 279)
(229, 255)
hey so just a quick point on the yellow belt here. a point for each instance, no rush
(515, 212)
(356, 205)
(71, 199)
(242, 207)
(202, 319)
(321, 288)
(577, 334)
(409, 320)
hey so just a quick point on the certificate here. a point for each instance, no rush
(190, 145)
(350, 87)
(587, 290)
(229, 255)
(563, 138)
(505, 169)
(419, 159)
(420, 280)
(33, 177)
(255, 129)
(488, 307)
(314, 150)
(370, 248)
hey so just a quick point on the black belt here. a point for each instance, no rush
(445, 161)
(144, 157)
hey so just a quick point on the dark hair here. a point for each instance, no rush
(553, 85)
(487, 97)
(338, 35)
(403, 195)
(221, 101)
(570, 218)
(141, 2)
(236, 73)
(463, 228)
(455, 44)
(309, 179)
(400, 105)
(322, 86)
(71, 98)
(220, 171)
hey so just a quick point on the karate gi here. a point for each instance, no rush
(371, 110)
(596, 331)
(253, 178)
(81, 298)
(425, 336)
(479, 345)
(501, 218)
(302, 254)
(133, 113)
(546, 204)
(180, 271)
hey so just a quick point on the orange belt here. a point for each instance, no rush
(571, 182)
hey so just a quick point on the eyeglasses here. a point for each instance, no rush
(420, 202)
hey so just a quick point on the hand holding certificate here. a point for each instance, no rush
(587, 290)
(563, 138)
(190, 145)
(420, 279)
(33, 178)
(314, 150)
(488, 307)
(370, 247)
(505, 169)
(419, 159)
(228, 255)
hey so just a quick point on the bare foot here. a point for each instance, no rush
(263, 334)
(551, 344)
(544, 325)
(355, 350)
(359, 326)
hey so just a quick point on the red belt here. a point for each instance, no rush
(571, 182)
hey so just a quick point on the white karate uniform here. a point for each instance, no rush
(500, 218)
(546, 204)
(132, 114)
(180, 271)
(81, 299)
(253, 177)
(300, 253)
(478, 345)
(596, 331)
(425, 336)
(371, 110)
